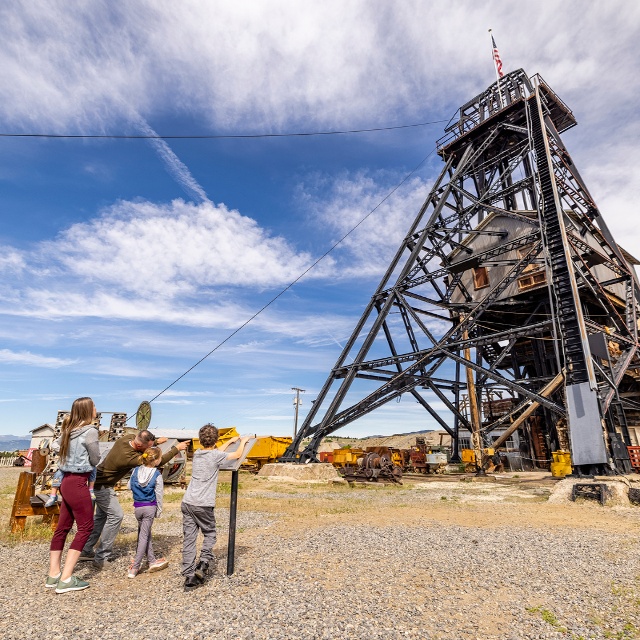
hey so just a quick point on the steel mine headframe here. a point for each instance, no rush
(509, 283)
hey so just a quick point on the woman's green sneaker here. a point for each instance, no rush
(52, 582)
(72, 584)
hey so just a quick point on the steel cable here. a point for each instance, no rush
(291, 284)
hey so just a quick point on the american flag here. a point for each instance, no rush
(496, 58)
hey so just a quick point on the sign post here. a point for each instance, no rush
(234, 466)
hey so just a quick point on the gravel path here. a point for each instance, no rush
(339, 578)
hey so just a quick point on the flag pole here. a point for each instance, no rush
(495, 66)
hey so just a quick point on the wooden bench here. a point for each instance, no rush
(27, 503)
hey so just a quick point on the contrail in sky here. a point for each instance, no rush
(176, 168)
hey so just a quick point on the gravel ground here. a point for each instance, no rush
(362, 574)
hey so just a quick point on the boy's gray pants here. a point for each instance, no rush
(196, 519)
(106, 523)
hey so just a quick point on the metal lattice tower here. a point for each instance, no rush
(509, 275)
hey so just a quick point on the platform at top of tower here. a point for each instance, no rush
(501, 103)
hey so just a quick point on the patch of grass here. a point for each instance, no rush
(336, 509)
(550, 618)
(224, 488)
(628, 631)
(34, 531)
(173, 496)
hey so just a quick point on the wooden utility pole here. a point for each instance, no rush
(474, 410)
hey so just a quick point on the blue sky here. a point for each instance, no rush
(123, 262)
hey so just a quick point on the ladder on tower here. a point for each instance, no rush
(561, 274)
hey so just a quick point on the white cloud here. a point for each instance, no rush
(11, 260)
(123, 368)
(172, 393)
(175, 248)
(612, 177)
(343, 202)
(271, 64)
(33, 359)
(176, 168)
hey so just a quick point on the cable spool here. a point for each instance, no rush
(143, 416)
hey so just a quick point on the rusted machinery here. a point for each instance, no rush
(374, 465)
(423, 459)
(490, 459)
(346, 457)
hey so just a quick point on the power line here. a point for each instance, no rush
(298, 134)
(304, 273)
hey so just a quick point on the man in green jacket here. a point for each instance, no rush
(125, 454)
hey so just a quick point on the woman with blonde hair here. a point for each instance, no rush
(79, 453)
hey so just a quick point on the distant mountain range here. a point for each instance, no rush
(409, 433)
(13, 443)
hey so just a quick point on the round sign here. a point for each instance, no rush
(143, 415)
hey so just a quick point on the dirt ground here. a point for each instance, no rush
(438, 557)
(511, 499)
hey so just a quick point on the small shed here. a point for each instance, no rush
(43, 432)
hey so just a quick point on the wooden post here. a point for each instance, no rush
(474, 411)
(38, 462)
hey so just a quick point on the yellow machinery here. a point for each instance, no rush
(266, 448)
(224, 434)
(346, 457)
(561, 465)
(468, 456)
(399, 457)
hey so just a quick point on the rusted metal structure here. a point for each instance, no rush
(374, 465)
(507, 285)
